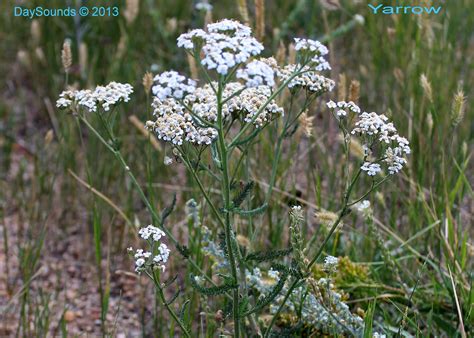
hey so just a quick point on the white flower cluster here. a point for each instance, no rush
(172, 84)
(308, 79)
(203, 6)
(314, 50)
(375, 129)
(314, 303)
(330, 264)
(226, 44)
(147, 259)
(363, 208)
(261, 282)
(371, 169)
(175, 125)
(104, 96)
(213, 251)
(257, 73)
(151, 232)
(342, 107)
(251, 100)
(314, 307)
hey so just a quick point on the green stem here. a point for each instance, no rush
(341, 215)
(224, 157)
(167, 305)
(143, 197)
(274, 94)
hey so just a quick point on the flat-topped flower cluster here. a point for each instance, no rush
(187, 113)
(159, 254)
(103, 96)
(377, 133)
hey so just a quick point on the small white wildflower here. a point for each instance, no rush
(257, 73)
(226, 44)
(192, 39)
(343, 108)
(363, 205)
(330, 264)
(231, 27)
(359, 19)
(372, 169)
(203, 6)
(314, 50)
(162, 257)
(172, 84)
(104, 96)
(151, 231)
(309, 80)
(167, 160)
(274, 274)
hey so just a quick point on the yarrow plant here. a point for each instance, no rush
(212, 125)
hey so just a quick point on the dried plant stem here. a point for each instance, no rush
(260, 19)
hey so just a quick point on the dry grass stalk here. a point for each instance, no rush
(192, 66)
(141, 127)
(132, 8)
(342, 88)
(147, 82)
(35, 31)
(458, 108)
(260, 19)
(243, 10)
(66, 56)
(354, 91)
(280, 55)
(83, 56)
(306, 123)
(426, 85)
(330, 5)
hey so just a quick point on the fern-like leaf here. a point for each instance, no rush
(243, 194)
(253, 212)
(172, 299)
(182, 312)
(265, 256)
(169, 281)
(213, 290)
(167, 211)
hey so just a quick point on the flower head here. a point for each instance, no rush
(257, 73)
(330, 264)
(226, 44)
(157, 257)
(315, 51)
(307, 79)
(103, 96)
(171, 84)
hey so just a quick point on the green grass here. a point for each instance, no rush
(419, 250)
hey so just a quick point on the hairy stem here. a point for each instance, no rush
(224, 157)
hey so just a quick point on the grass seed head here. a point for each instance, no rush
(458, 108)
(132, 8)
(66, 55)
